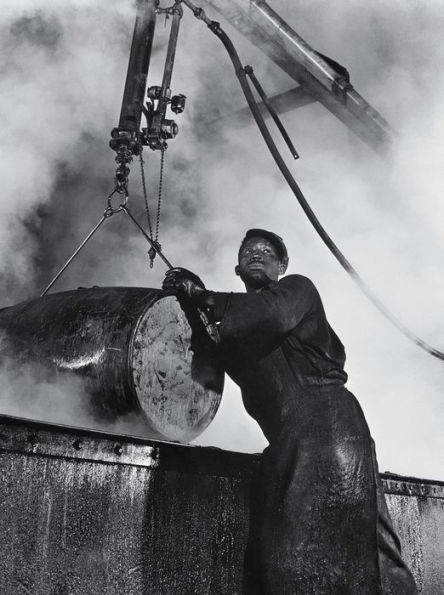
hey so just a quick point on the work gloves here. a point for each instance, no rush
(186, 284)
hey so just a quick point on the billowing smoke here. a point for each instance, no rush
(31, 391)
(62, 72)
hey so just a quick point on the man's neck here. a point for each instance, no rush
(251, 289)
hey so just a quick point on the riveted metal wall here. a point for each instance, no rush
(87, 513)
(417, 510)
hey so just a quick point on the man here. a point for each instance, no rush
(321, 525)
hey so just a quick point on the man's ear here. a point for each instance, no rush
(282, 268)
(236, 270)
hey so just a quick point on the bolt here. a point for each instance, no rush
(77, 444)
(32, 439)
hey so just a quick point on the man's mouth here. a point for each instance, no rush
(255, 266)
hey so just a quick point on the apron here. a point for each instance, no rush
(319, 522)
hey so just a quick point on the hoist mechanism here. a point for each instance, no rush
(128, 138)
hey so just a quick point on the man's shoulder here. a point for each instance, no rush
(298, 282)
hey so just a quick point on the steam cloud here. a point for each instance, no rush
(62, 72)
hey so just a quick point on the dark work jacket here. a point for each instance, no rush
(276, 342)
(318, 525)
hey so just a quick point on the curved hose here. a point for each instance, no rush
(240, 73)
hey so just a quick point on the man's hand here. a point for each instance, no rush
(189, 286)
(185, 284)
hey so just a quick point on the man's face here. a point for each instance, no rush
(259, 263)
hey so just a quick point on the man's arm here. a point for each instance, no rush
(255, 322)
(268, 315)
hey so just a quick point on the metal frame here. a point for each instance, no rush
(261, 25)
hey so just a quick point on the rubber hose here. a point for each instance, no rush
(240, 73)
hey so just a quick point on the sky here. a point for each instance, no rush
(62, 71)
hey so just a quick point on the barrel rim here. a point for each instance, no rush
(160, 294)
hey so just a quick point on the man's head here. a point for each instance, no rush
(262, 258)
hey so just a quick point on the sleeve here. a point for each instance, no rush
(268, 316)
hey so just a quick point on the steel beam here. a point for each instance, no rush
(259, 23)
(282, 103)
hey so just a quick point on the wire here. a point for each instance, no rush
(71, 258)
(241, 75)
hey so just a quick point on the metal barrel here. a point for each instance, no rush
(132, 353)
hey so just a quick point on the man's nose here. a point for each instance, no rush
(256, 256)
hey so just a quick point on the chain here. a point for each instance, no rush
(159, 200)
(123, 158)
(145, 194)
(151, 251)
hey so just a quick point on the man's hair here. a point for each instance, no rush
(273, 238)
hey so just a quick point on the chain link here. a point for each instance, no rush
(145, 194)
(110, 210)
(159, 200)
(155, 236)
